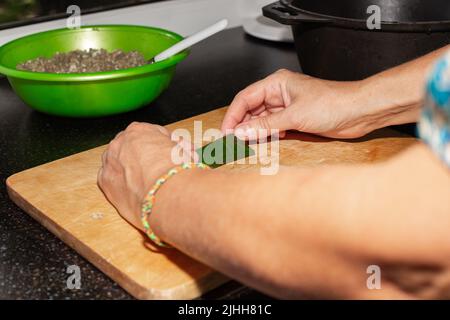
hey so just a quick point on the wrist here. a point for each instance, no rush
(167, 199)
(357, 113)
(150, 174)
(385, 105)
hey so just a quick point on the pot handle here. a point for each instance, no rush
(279, 12)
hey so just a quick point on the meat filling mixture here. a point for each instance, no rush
(85, 61)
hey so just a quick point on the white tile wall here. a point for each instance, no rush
(182, 16)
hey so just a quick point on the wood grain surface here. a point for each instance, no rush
(64, 197)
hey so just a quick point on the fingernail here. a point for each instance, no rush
(251, 133)
(241, 132)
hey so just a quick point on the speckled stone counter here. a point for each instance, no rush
(33, 262)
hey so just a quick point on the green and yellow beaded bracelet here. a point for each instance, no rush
(149, 200)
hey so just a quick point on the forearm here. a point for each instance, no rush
(395, 96)
(264, 231)
(281, 234)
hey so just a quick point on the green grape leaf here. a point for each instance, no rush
(224, 150)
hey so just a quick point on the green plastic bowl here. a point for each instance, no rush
(91, 94)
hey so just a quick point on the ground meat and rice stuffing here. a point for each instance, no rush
(85, 61)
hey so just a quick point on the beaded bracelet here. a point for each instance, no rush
(149, 200)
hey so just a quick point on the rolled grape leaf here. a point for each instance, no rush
(225, 150)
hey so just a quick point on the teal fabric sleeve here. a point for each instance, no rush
(434, 124)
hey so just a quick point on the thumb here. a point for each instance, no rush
(264, 126)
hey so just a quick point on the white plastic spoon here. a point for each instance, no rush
(190, 41)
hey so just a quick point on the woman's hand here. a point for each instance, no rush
(132, 163)
(291, 101)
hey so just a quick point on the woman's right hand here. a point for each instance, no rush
(292, 101)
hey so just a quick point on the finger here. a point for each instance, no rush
(247, 100)
(262, 114)
(163, 130)
(118, 135)
(275, 109)
(148, 126)
(99, 177)
(258, 110)
(226, 132)
(247, 117)
(261, 126)
(113, 149)
(134, 125)
(104, 157)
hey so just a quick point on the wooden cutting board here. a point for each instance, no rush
(64, 197)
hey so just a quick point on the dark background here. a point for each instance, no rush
(20, 12)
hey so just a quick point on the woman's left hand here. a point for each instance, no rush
(132, 163)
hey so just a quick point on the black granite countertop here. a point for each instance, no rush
(33, 262)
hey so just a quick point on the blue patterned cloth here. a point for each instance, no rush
(434, 125)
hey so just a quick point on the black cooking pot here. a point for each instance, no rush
(333, 39)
